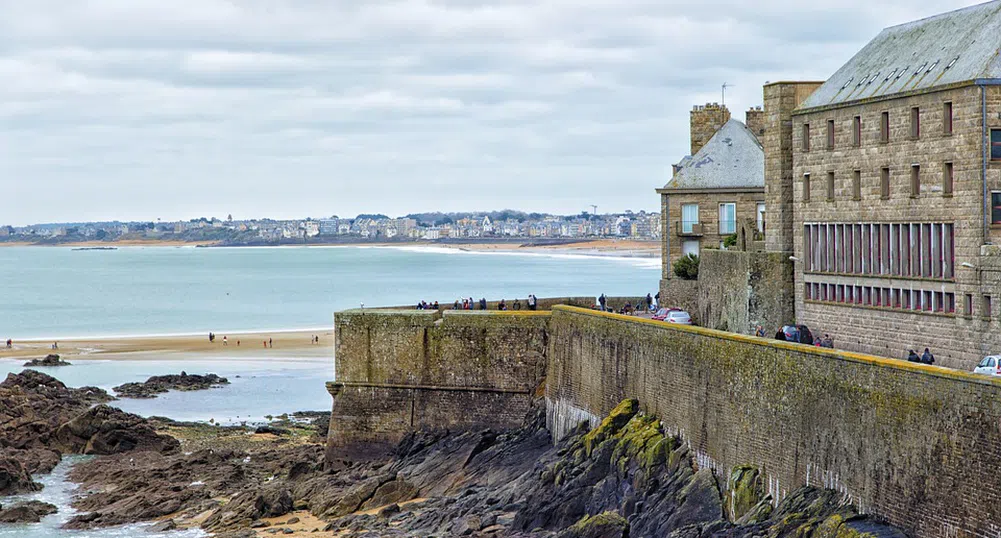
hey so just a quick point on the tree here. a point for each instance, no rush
(687, 267)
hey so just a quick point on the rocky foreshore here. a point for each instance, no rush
(623, 478)
(160, 384)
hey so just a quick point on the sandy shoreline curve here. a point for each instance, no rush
(283, 344)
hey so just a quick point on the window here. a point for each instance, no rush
(806, 137)
(968, 306)
(689, 217)
(915, 180)
(996, 207)
(857, 185)
(690, 247)
(830, 186)
(884, 127)
(830, 134)
(996, 144)
(761, 217)
(915, 122)
(950, 303)
(947, 118)
(857, 131)
(947, 179)
(987, 311)
(806, 188)
(727, 218)
(884, 183)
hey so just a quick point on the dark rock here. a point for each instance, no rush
(14, 478)
(163, 526)
(271, 430)
(292, 521)
(390, 510)
(109, 430)
(251, 506)
(49, 360)
(258, 524)
(27, 512)
(160, 384)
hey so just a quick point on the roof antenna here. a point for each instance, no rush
(725, 86)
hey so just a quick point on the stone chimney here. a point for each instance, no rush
(755, 121)
(706, 120)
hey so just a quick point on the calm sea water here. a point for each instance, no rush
(62, 293)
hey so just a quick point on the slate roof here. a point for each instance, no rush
(958, 46)
(732, 158)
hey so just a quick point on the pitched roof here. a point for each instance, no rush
(953, 47)
(732, 158)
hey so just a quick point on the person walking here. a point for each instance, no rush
(603, 301)
(225, 340)
(270, 343)
(927, 357)
(649, 302)
(483, 303)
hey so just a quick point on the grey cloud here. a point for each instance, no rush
(136, 109)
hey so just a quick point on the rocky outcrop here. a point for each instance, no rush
(109, 430)
(33, 405)
(161, 384)
(14, 478)
(26, 512)
(49, 360)
(626, 477)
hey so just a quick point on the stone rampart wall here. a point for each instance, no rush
(397, 371)
(918, 445)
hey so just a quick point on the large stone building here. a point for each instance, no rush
(716, 190)
(884, 186)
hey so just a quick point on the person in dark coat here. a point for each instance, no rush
(781, 335)
(913, 356)
(927, 357)
(602, 301)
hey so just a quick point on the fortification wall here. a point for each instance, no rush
(916, 444)
(397, 371)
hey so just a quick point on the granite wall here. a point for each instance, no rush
(918, 445)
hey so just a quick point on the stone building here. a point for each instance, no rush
(884, 185)
(713, 193)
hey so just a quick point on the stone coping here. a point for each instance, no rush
(873, 360)
(334, 387)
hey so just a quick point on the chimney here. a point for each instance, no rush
(706, 120)
(755, 121)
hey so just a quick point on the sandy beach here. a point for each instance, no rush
(251, 344)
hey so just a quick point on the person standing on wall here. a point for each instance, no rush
(602, 302)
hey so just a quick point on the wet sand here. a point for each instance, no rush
(251, 344)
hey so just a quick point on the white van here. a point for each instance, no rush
(991, 365)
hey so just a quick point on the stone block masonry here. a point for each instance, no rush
(399, 371)
(918, 445)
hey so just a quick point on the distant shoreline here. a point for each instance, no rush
(587, 247)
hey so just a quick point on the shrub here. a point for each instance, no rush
(687, 268)
(730, 241)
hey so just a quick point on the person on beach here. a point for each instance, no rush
(270, 343)
(225, 340)
(10, 343)
(211, 337)
(237, 343)
(55, 345)
(265, 344)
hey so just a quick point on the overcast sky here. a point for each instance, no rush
(138, 110)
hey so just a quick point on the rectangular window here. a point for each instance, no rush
(806, 137)
(884, 253)
(808, 246)
(915, 123)
(936, 250)
(884, 127)
(808, 291)
(987, 310)
(948, 251)
(727, 218)
(915, 180)
(939, 301)
(806, 187)
(926, 261)
(950, 303)
(947, 118)
(830, 186)
(996, 207)
(968, 306)
(884, 183)
(761, 217)
(830, 134)
(905, 299)
(926, 301)
(947, 179)
(858, 294)
(849, 294)
(996, 144)
(857, 131)
(689, 217)
(857, 185)
(905, 249)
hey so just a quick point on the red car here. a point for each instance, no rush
(662, 314)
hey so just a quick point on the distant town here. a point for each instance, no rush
(506, 225)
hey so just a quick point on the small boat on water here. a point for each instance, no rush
(96, 248)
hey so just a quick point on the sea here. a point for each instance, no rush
(62, 293)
